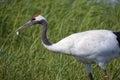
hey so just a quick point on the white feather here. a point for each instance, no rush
(90, 46)
(39, 18)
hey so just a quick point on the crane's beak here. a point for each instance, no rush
(29, 23)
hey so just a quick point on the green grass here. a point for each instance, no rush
(23, 57)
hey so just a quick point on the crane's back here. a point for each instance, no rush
(91, 44)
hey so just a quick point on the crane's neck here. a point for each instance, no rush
(56, 47)
(44, 31)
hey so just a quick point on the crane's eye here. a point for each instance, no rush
(33, 19)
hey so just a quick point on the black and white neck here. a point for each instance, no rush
(44, 32)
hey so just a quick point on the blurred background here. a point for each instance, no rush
(23, 57)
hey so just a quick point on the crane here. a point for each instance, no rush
(90, 47)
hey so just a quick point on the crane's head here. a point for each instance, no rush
(36, 19)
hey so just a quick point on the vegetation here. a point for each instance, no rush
(23, 57)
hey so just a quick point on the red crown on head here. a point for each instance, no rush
(35, 15)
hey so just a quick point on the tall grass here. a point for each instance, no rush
(23, 57)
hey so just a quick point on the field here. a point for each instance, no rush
(23, 57)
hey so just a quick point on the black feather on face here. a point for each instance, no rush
(32, 19)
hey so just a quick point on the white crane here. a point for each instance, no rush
(94, 46)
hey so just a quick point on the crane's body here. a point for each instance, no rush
(94, 46)
(89, 46)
